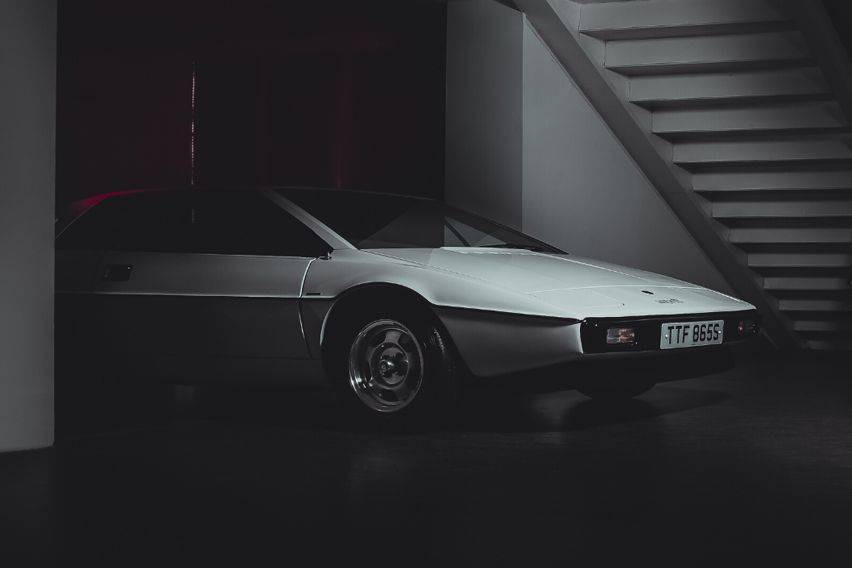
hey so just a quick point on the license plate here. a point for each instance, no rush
(691, 334)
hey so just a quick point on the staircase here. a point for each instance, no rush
(734, 110)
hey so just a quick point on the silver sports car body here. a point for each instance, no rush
(297, 286)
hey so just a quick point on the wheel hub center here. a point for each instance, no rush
(387, 367)
(392, 366)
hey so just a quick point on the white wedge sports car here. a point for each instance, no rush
(395, 301)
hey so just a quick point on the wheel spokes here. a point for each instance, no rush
(392, 336)
(385, 365)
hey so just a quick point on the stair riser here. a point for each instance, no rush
(765, 152)
(817, 304)
(797, 236)
(791, 283)
(816, 345)
(715, 88)
(753, 119)
(793, 260)
(823, 326)
(686, 55)
(769, 180)
(782, 209)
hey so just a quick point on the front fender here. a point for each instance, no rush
(494, 329)
(328, 278)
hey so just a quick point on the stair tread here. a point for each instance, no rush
(675, 90)
(615, 20)
(684, 54)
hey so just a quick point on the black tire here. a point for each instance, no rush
(615, 392)
(439, 389)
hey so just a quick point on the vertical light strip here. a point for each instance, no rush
(192, 129)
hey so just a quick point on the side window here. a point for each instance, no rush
(248, 223)
(193, 222)
(141, 222)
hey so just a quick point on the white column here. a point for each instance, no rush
(27, 135)
(484, 128)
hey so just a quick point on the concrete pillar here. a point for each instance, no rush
(27, 135)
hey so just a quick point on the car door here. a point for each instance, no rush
(194, 280)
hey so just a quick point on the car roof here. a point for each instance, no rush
(77, 207)
(224, 189)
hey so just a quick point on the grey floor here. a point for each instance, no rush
(754, 464)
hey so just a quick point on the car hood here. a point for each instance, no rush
(577, 285)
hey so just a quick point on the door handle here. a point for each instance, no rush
(117, 272)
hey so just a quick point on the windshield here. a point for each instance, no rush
(371, 220)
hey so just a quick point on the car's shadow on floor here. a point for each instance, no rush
(482, 410)
(569, 410)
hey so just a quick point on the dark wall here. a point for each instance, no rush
(331, 93)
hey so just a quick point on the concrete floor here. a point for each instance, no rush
(755, 463)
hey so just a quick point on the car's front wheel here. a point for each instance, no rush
(395, 367)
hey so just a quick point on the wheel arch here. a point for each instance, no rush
(353, 302)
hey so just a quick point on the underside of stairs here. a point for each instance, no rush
(737, 111)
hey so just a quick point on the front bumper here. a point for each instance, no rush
(495, 345)
(611, 369)
(593, 331)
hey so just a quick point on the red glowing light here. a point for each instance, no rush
(79, 207)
